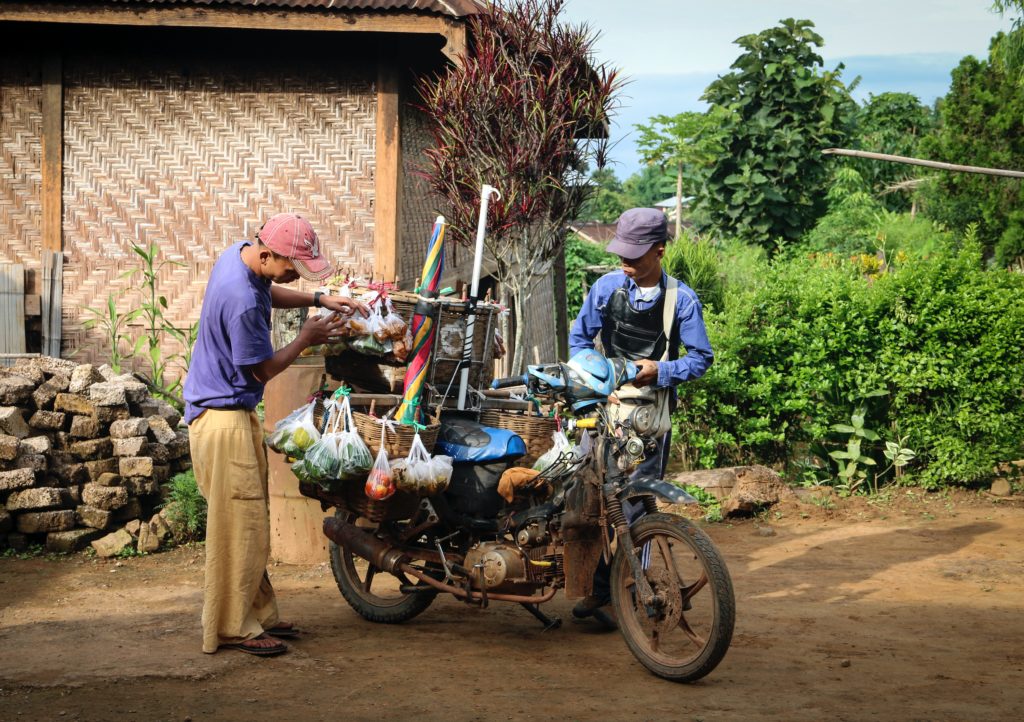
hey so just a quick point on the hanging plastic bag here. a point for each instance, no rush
(321, 461)
(415, 466)
(440, 475)
(549, 457)
(380, 484)
(283, 430)
(354, 458)
(392, 326)
(300, 434)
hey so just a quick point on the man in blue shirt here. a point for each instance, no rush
(625, 309)
(232, 361)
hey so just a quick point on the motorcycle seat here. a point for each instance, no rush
(469, 441)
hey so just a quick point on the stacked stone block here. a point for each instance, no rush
(83, 452)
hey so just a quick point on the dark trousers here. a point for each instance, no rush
(652, 466)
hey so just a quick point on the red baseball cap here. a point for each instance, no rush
(292, 236)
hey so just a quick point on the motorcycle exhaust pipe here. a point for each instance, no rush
(363, 544)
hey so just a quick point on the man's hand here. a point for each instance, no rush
(320, 329)
(346, 305)
(647, 374)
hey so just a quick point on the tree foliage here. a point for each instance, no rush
(607, 202)
(683, 143)
(524, 110)
(981, 123)
(892, 123)
(780, 110)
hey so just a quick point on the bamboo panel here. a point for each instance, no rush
(21, 127)
(194, 159)
(12, 308)
(52, 302)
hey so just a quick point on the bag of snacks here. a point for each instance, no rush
(420, 474)
(392, 327)
(549, 457)
(295, 433)
(380, 484)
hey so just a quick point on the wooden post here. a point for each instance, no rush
(561, 294)
(388, 179)
(52, 151)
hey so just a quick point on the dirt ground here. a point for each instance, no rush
(909, 609)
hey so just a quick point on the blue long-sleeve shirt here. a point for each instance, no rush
(689, 317)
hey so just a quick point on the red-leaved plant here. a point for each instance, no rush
(525, 109)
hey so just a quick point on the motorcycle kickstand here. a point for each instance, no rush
(548, 622)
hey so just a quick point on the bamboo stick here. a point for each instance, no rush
(925, 163)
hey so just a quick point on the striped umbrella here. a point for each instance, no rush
(424, 316)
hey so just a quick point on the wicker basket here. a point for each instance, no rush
(535, 431)
(397, 438)
(351, 497)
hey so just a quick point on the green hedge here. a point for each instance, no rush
(814, 338)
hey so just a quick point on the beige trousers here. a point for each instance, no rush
(230, 463)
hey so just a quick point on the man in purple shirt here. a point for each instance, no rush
(626, 310)
(231, 362)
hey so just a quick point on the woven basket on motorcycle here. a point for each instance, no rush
(446, 353)
(350, 496)
(397, 437)
(535, 431)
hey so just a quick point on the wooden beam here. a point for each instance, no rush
(388, 178)
(52, 200)
(248, 18)
(925, 163)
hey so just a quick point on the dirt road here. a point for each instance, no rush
(906, 611)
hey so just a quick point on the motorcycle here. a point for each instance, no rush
(670, 587)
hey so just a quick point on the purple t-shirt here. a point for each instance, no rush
(234, 333)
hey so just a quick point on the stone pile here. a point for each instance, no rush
(83, 453)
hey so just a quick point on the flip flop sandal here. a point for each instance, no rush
(283, 632)
(270, 651)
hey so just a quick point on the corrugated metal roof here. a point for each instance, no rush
(454, 8)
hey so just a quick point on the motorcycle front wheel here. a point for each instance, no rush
(375, 595)
(685, 633)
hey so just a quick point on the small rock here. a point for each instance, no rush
(136, 466)
(110, 414)
(35, 462)
(17, 479)
(35, 445)
(66, 542)
(92, 517)
(47, 420)
(111, 544)
(117, 392)
(130, 446)
(12, 422)
(33, 499)
(1001, 487)
(74, 404)
(98, 467)
(127, 428)
(84, 376)
(765, 531)
(148, 541)
(45, 395)
(160, 430)
(845, 663)
(85, 427)
(9, 447)
(38, 522)
(133, 527)
(91, 449)
(104, 497)
(109, 479)
(15, 389)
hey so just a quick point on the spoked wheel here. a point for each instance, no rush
(685, 632)
(375, 595)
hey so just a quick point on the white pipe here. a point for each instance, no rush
(478, 259)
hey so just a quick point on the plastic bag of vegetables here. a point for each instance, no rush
(295, 433)
(380, 484)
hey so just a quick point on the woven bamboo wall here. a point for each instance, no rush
(21, 124)
(194, 159)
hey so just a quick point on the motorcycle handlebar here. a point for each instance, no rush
(509, 381)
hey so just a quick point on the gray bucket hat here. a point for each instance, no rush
(636, 231)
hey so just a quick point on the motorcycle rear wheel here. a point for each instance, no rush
(689, 634)
(379, 603)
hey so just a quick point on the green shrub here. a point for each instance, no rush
(186, 507)
(580, 254)
(796, 354)
(694, 260)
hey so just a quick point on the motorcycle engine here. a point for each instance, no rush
(496, 563)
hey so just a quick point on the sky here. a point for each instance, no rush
(670, 50)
